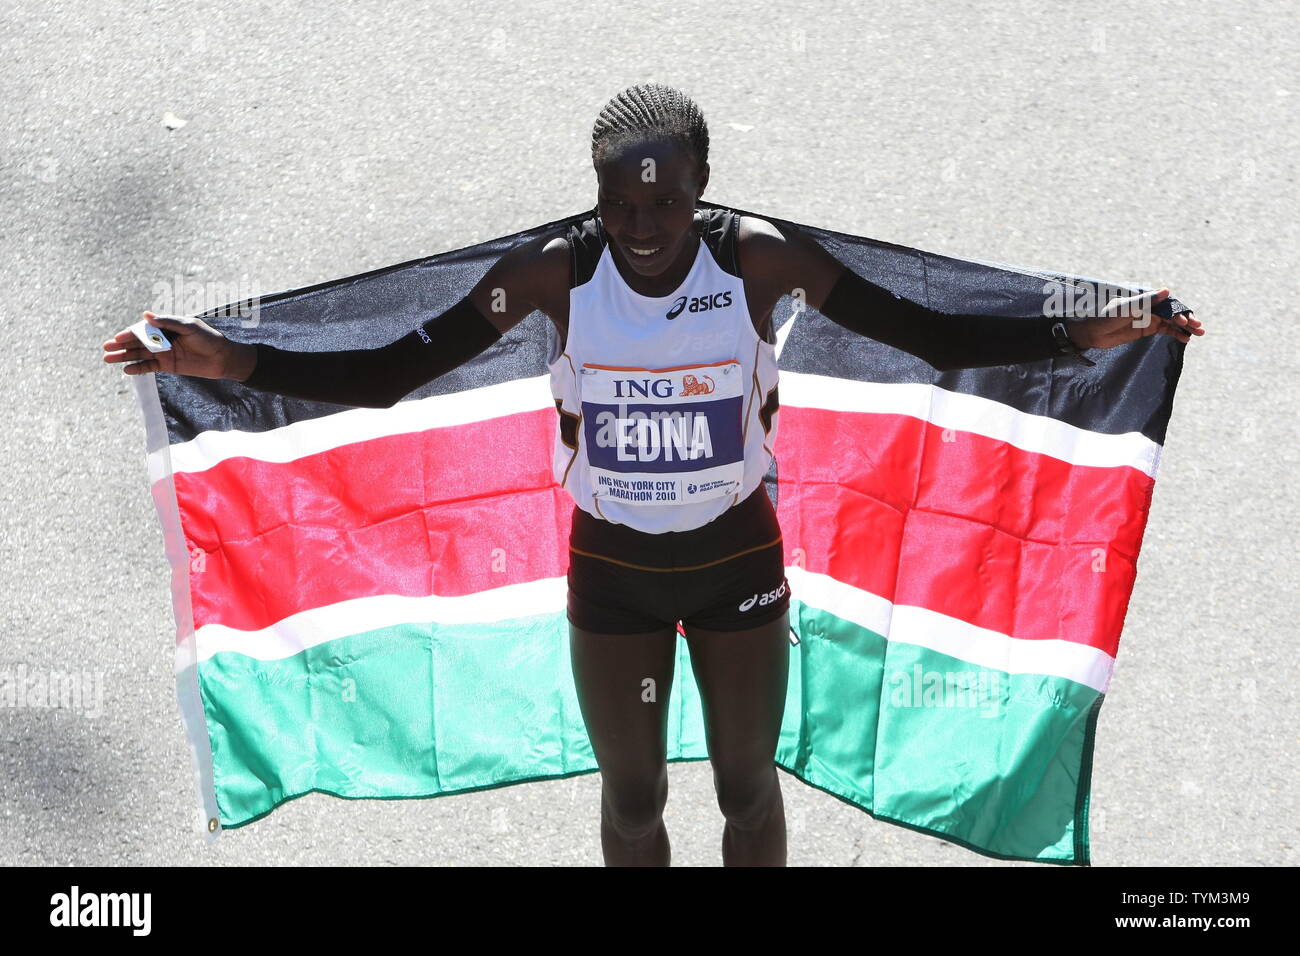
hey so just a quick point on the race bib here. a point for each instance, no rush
(664, 436)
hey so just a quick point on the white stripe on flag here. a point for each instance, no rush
(1041, 434)
(971, 413)
(902, 623)
(315, 435)
(305, 629)
(908, 624)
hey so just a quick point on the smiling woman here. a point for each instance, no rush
(671, 524)
(649, 176)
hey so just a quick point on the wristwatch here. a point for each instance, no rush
(1067, 347)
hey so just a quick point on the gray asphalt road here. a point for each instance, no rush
(1153, 142)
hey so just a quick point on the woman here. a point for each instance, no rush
(665, 381)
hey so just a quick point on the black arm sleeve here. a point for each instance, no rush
(377, 378)
(945, 340)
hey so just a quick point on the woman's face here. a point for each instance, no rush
(646, 199)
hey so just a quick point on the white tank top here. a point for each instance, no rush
(668, 404)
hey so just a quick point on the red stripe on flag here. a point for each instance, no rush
(451, 511)
(972, 527)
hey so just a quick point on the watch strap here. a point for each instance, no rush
(1066, 346)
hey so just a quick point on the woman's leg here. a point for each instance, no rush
(623, 683)
(742, 678)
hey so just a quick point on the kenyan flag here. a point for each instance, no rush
(371, 602)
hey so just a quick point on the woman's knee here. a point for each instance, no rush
(634, 806)
(746, 795)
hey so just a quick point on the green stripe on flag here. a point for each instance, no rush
(999, 763)
(358, 717)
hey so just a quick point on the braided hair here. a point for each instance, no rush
(649, 111)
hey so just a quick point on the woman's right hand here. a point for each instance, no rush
(197, 349)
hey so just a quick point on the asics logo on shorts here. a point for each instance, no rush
(761, 600)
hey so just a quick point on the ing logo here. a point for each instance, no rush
(693, 386)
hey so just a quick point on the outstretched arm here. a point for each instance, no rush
(375, 378)
(945, 340)
(368, 378)
(379, 378)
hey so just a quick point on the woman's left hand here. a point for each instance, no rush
(1129, 318)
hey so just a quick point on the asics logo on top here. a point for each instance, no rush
(699, 303)
(761, 600)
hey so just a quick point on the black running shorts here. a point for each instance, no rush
(727, 575)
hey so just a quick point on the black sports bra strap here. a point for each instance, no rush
(586, 243)
(721, 233)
